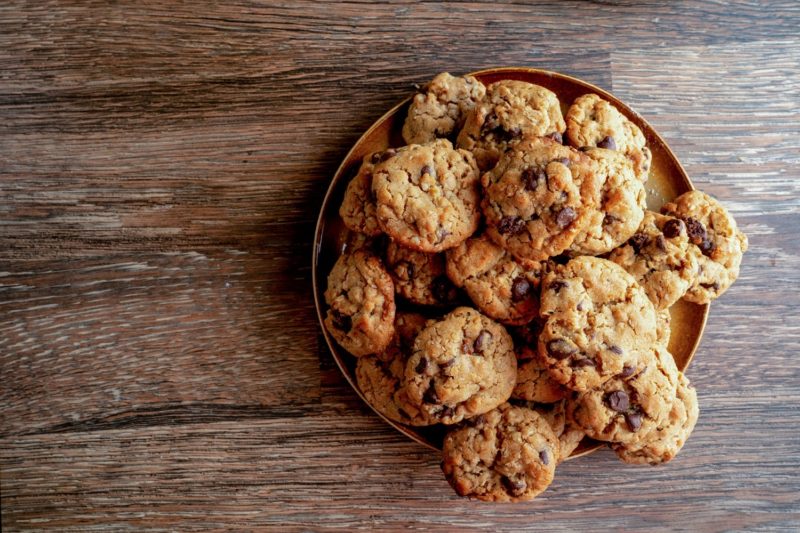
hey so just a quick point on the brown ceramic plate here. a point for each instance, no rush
(667, 180)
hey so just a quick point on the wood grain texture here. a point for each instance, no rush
(161, 167)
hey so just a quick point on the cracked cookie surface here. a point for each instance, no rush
(539, 197)
(358, 205)
(598, 321)
(462, 366)
(712, 229)
(380, 376)
(360, 296)
(661, 258)
(621, 209)
(419, 277)
(427, 195)
(508, 454)
(510, 111)
(535, 384)
(664, 442)
(502, 287)
(594, 122)
(627, 407)
(440, 108)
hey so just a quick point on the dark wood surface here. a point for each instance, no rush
(161, 168)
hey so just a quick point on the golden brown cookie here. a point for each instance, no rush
(621, 209)
(665, 441)
(714, 232)
(358, 206)
(598, 322)
(535, 384)
(441, 106)
(594, 122)
(502, 287)
(661, 258)
(462, 366)
(427, 196)
(627, 407)
(539, 197)
(506, 455)
(510, 111)
(419, 277)
(360, 296)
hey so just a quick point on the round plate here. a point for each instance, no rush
(667, 180)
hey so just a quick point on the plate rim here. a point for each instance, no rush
(319, 227)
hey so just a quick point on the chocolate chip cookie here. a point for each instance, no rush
(594, 122)
(427, 196)
(508, 454)
(358, 206)
(632, 404)
(539, 197)
(380, 376)
(441, 106)
(598, 322)
(419, 277)
(663, 329)
(622, 205)
(714, 232)
(661, 258)
(502, 287)
(361, 298)
(510, 111)
(665, 441)
(462, 366)
(535, 384)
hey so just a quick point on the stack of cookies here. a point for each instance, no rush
(515, 288)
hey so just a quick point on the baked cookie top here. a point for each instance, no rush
(665, 441)
(419, 277)
(440, 107)
(427, 196)
(712, 229)
(360, 296)
(621, 209)
(358, 205)
(663, 328)
(462, 366)
(539, 197)
(502, 287)
(508, 454)
(598, 322)
(661, 258)
(380, 376)
(510, 111)
(535, 384)
(627, 407)
(594, 122)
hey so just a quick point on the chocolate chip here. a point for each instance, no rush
(515, 132)
(616, 349)
(557, 285)
(531, 177)
(447, 412)
(557, 137)
(514, 487)
(387, 154)
(565, 217)
(673, 228)
(561, 349)
(442, 289)
(580, 306)
(583, 362)
(712, 286)
(627, 371)
(634, 421)
(482, 341)
(427, 169)
(545, 457)
(564, 161)
(618, 401)
(520, 288)
(661, 243)
(441, 234)
(512, 225)
(422, 366)
(707, 246)
(448, 363)
(638, 241)
(341, 321)
(477, 421)
(608, 143)
(696, 230)
(609, 219)
(430, 395)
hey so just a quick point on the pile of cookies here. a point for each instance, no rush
(515, 288)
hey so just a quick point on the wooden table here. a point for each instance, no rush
(161, 168)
